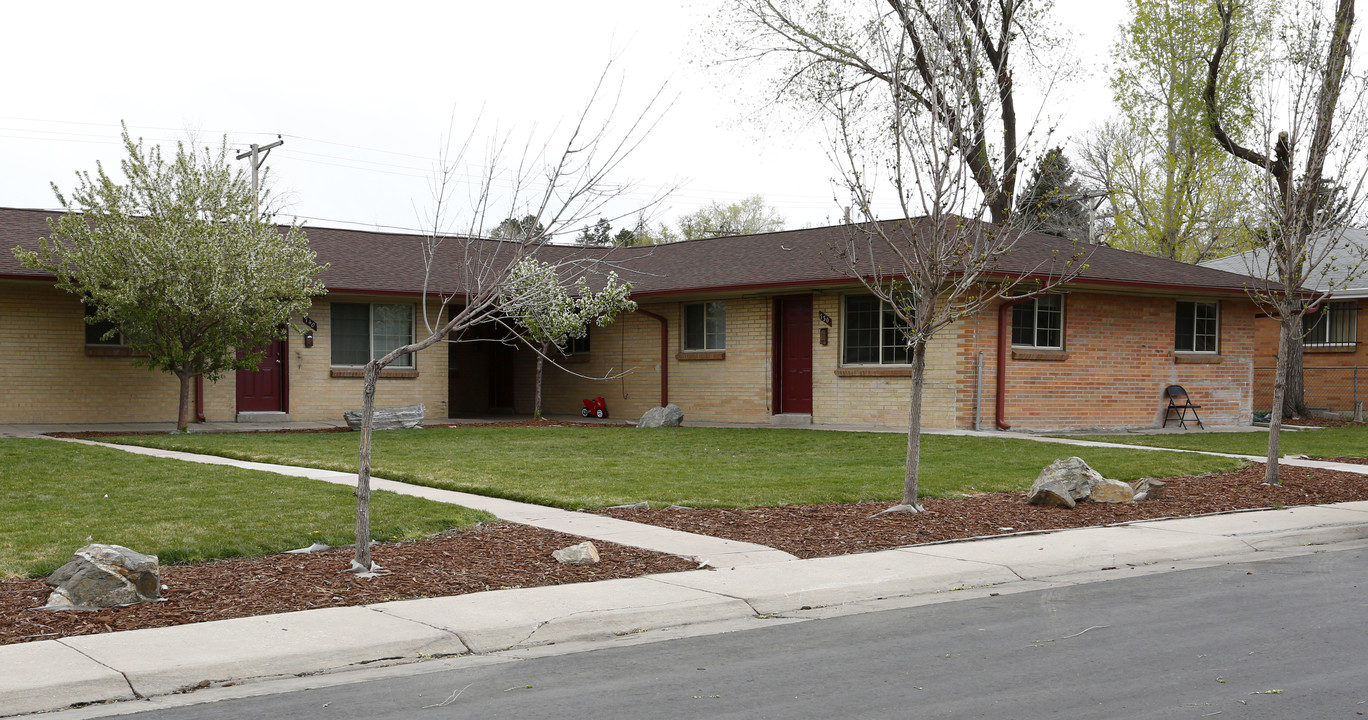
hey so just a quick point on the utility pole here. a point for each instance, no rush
(258, 155)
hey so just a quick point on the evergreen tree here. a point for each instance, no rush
(1053, 202)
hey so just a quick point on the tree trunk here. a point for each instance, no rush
(913, 470)
(361, 559)
(183, 415)
(537, 394)
(1294, 394)
(1279, 390)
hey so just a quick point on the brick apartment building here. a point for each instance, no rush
(759, 328)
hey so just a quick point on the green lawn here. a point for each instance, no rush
(1348, 441)
(586, 467)
(59, 496)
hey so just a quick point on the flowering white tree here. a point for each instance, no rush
(177, 262)
(559, 317)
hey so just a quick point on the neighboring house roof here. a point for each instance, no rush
(375, 262)
(1344, 274)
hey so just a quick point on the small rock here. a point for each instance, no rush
(391, 418)
(669, 416)
(582, 554)
(643, 505)
(105, 576)
(1148, 489)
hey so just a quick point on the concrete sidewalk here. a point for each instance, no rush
(55, 674)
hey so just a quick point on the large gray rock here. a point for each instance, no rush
(391, 418)
(1067, 482)
(105, 576)
(668, 416)
(1070, 476)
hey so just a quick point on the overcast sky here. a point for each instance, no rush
(363, 93)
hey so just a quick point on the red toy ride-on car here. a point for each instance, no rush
(595, 407)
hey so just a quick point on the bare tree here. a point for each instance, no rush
(553, 188)
(946, 264)
(1312, 116)
(817, 42)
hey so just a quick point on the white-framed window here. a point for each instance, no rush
(1197, 327)
(1336, 325)
(362, 332)
(1039, 323)
(871, 333)
(96, 332)
(705, 326)
(579, 345)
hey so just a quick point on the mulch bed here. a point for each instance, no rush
(821, 530)
(488, 557)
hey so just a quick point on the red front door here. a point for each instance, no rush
(793, 354)
(263, 390)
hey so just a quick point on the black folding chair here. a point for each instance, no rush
(1179, 402)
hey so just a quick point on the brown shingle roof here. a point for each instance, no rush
(808, 257)
(374, 262)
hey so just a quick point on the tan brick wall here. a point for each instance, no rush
(628, 352)
(316, 395)
(1120, 359)
(736, 388)
(739, 387)
(879, 400)
(48, 377)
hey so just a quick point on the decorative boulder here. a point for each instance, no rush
(582, 554)
(1070, 477)
(105, 576)
(393, 418)
(668, 416)
(1112, 491)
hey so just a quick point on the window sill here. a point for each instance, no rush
(389, 372)
(1347, 348)
(895, 371)
(581, 359)
(688, 355)
(111, 351)
(1040, 355)
(1197, 359)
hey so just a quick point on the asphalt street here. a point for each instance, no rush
(1284, 638)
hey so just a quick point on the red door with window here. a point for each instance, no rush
(263, 390)
(793, 354)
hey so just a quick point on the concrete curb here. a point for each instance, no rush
(54, 674)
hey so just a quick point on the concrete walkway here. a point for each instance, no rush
(710, 551)
(745, 586)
